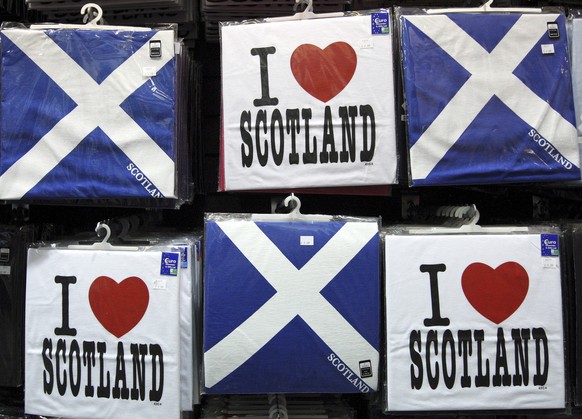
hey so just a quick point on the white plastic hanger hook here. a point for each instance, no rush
(487, 6)
(308, 7)
(92, 10)
(107, 229)
(293, 215)
(92, 19)
(103, 244)
(292, 197)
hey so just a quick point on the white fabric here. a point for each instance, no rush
(408, 303)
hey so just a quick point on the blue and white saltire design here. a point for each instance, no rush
(489, 99)
(291, 307)
(87, 114)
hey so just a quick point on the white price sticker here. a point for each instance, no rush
(367, 43)
(550, 263)
(160, 284)
(306, 240)
(149, 71)
(547, 49)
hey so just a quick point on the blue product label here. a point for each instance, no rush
(550, 245)
(169, 265)
(380, 24)
(183, 250)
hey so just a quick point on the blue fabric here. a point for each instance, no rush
(295, 360)
(496, 147)
(299, 351)
(233, 290)
(32, 104)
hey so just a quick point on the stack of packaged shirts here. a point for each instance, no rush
(13, 244)
(109, 331)
(308, 103)
(573, 234)
(11, 10)
(291, 306)
(488, 97)
(190, 248)
(474, 320)
(105, 128)
(197, 286)
(575, 44)
(277, 406)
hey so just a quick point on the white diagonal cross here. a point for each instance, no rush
(98, 105)
(298, 294)
(491, 75)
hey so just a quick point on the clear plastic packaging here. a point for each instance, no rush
(291, 304)
(488, 97)
(475, 321)
(107, 128)
(308, 102)
(104, 331)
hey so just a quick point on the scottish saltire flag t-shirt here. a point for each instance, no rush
(291, 307)
(87, 114)
(489, 98)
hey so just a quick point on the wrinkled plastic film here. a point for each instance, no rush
(315, 78)
(249, 269)
(462, 117)
(113, 115)
(487, 291)
(119, 301)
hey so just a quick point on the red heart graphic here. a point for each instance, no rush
(495, 293)
(323, 73)
(119, 307)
